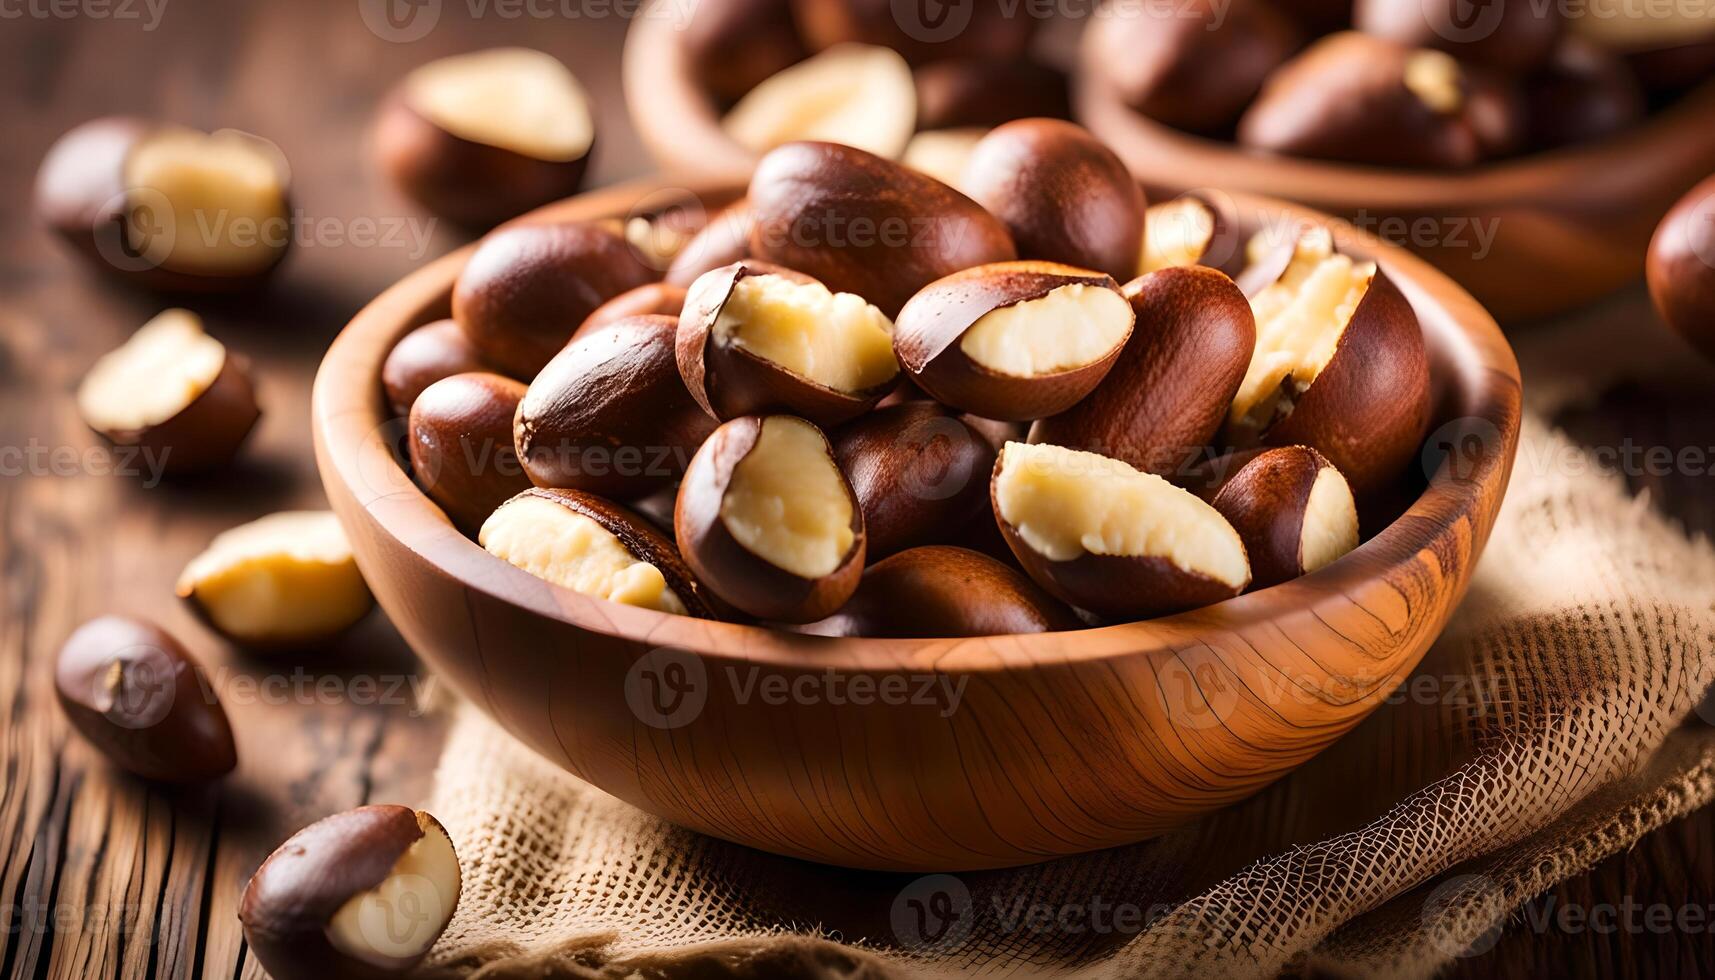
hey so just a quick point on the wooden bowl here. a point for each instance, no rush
(925, 754)
(678, 122)
(1568, 226)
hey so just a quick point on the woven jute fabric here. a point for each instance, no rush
(1559, 719)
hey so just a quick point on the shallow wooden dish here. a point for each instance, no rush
(678, 122)
(1056, 743)
(1569, 226)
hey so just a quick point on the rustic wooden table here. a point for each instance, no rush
(101, 875)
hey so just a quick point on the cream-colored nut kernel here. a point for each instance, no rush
(149, 379)
(788, 503)
(285, 578)
(206, 203)
(1068, 328)
(1176, 233)
(1065, 503)
(1330, 520)
(573, 551)
(513, 98)
(396, 922)
(855, 94)
(1626, 25)
(1299, 321)
(1435, 78)
(942, 153)
(837, 340)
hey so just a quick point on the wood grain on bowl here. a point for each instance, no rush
(1528, 237)
(940, 754)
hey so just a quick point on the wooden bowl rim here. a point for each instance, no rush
(1160, 155)
(355, 435)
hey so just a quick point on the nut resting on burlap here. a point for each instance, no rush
(1554, 724)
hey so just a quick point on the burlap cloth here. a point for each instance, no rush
(1556, 722)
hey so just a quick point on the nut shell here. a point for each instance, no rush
(1345, 98)
(133, 691)
(1193, 66)
(942, 591)
(1167, 395)
(927, 332)
(421, 358)
(645, 541)
(286, 907)
(1368, 409)
(919, 473)
(732, 571)
(461, 445)
(1681, 268)
(1582, 95)
(1063, 195)
(527, 288)
(609, 414)
(861, 224)
(1266, 502)
(729, 381)
(476, 185)
(205, 434)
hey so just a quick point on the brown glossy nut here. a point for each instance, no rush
(359, 895)
(482, 137)
(1681, 267)
(1062, 194)
(919, 472)
(767, 521)
(582, 542)
(610, 415)
(961, 93)
(1195, 228)
(1363, 99)
(856, 94)
(730, 46)
(528, 287)
(1107, 538)
(167, 207)
(650, 299)
(422, 357)
(942, 591)
(1167, 395)
(864, 225)
(283, 581)
(1293, 510)
(1583, 95)
(1013, 340)
(461, 445)
(1512, 36)
(1340, 366)
(175, 393)
(756, 338)
(989, 28)
(1193, 65)
(723, 241)
(133, 691)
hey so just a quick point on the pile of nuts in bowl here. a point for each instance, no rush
(1422, 84)
(886, 408)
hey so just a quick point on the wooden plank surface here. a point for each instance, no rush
(103, 876)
